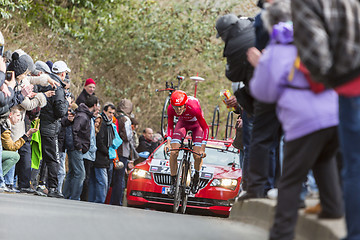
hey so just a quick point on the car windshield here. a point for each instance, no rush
(215, 155)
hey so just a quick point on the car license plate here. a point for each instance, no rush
(165, 190)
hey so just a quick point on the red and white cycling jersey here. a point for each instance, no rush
(192, 119)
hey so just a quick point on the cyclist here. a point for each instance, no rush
(190, 117)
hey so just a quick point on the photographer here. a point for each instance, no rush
(50, 115)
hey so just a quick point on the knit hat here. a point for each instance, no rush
(50, 64)
(89, 81)
(125, 106)
(17, 64)
(29, 61)
(43, 67)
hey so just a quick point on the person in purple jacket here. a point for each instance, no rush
(309, 121)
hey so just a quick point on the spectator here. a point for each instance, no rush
(310, 136)
(98, 183)
(124, 110)
(146, 141)
(9, 155)
(238, 36)
(89, 89)
(81, 129)
(97, 123)
(266, 131)
(50, 116)
(90, 156)
(328, 52)
(134, 127)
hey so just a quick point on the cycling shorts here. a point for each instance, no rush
(182, 127)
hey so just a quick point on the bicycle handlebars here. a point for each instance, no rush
(189, 150)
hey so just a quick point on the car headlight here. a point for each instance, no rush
(225, 183)
(139, 173)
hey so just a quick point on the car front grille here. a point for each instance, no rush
(165, 179)
(192, 201)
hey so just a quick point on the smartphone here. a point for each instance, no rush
(8, 75)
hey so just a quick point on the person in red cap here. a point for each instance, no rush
(89, 89)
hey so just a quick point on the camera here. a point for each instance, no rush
(2, 50)
(8, 75)
(72, 112)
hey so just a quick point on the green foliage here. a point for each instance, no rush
(131, 47)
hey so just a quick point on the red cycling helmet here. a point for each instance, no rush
(178, 98)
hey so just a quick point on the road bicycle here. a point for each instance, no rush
(170, 87)
(183, 179)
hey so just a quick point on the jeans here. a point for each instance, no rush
(118, 182)
(98, 185)
(349, 133)
(75, 176)
(62, 171)
(9, 159)
(9, 177)
(247, 128)
(23, 167)
(265, 139)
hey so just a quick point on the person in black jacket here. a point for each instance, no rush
(238, 35)
(146, 142)
(81, 141)
(89, 89)
(50, 115)
(98, 184)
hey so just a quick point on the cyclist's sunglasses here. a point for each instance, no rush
(178, 107)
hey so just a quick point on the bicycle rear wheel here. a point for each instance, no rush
(215, 123)
(186, 186)
(178, 188)
(230, 125)
(164, 117)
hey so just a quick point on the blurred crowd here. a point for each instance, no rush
(56, 145)
(294, 69)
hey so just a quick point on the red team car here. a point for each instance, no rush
(220, 178)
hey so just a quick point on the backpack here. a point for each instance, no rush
(315, 87)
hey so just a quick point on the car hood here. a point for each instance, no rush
(213, 170)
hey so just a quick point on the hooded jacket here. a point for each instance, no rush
(82, 97)
(125, 108)
(300, 110)
(82, 128)
(238, 39)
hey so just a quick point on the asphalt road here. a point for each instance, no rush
(32, 217)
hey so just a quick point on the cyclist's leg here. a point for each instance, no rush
(179, 133)
(173, 158)
(198, 148)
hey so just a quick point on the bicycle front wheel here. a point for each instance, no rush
(186, 180)
(178, 188)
